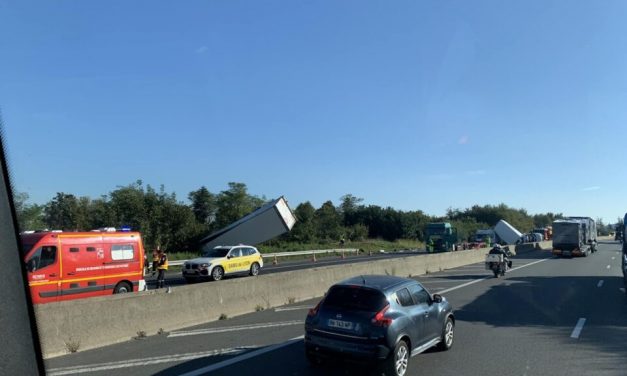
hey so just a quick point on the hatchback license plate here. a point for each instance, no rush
(340, 324)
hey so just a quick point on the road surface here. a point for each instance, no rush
(547, 316)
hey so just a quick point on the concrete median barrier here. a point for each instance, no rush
(95, 322)
(521, 249)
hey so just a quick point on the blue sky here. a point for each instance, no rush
(410, 104)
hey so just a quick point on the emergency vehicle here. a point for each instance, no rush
(73, 265)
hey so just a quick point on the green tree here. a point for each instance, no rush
(62, 212)
(29, 216)
(203, 205)
(327, 222)
(234, 203)
(303, 230)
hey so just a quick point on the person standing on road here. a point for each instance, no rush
(155, 260)
(162, 266)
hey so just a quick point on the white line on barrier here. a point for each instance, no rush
(578, 328)
(295, 308)
(234, 328)
(237, 359)
(600, 283)
(143, 362)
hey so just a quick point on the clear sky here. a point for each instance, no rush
(410, 104)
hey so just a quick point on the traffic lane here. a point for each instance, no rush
(243, 332)
(175, 278)
(261, 329)
(291, 361)
(606, 327)
(285, 353)
(521, 330)
(164, 346)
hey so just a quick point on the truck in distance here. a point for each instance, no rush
(440, 237)
(574, 236)
(507, 233)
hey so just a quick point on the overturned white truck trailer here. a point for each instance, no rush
(507, 233)
(269, 221)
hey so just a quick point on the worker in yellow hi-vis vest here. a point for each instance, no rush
(162, 266)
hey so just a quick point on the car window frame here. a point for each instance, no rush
(422, 289)
(398, 299)
(235, 249)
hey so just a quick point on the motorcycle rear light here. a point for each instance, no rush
(314, 311)
(379, 318)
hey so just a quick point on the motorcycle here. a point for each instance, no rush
(497, 264)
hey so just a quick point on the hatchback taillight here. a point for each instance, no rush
(379, 318)
(314, 311)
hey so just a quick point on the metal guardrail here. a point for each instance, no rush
(276, 255)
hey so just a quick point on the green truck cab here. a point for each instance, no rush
(440, 237)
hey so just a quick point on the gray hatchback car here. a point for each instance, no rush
(385, 318)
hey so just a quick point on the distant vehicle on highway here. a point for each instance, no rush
(215, 263)
(574, 236)
(382, 318)
(440, 237)
(73, 265)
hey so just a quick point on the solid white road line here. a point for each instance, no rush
(142, 362)
(295, 308)
(578, 328)
(237, 359)
(613, 258)
(609, 266)
(600, 283)
(234, 328)
(488, 277)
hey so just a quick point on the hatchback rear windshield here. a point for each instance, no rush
(355, 298)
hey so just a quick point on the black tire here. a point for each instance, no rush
(122, 288)
(254, 269)
(448, 332)
(217, 273)
(398, 361)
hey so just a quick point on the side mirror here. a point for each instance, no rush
(30, 266)
(437, 298)
(229, 257)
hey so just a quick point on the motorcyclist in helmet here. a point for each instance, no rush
(498, 250)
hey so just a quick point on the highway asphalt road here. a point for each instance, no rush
(547, 316)
(174, 278)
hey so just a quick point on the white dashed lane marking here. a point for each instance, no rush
(578, 328)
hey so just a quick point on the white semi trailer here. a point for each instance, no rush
(507, 233)
(269, 221)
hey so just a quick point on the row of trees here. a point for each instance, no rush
(353, 221)
(159, 216)
(178, 226)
